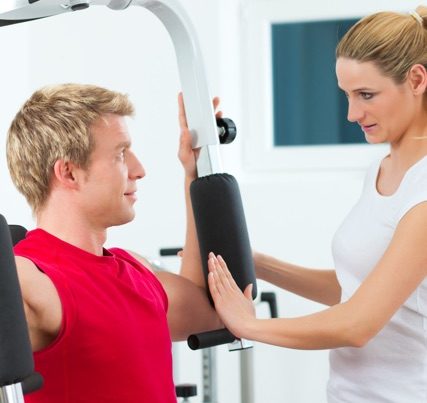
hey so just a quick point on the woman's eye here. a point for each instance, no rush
(366, 95)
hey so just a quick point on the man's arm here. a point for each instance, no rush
(41, 304)
(191, 265)
(189, 309)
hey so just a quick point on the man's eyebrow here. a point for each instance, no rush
(123, 144)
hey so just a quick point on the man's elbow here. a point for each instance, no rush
(192, 324)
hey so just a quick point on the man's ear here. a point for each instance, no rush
(417, 78)
(65, 173)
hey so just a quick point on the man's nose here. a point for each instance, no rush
(136, 169)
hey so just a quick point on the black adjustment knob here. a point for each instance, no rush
(186, 390)
(80, 6)
(226, 130)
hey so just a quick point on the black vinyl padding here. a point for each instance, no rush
(221, 226)
(32, 383)
(4, 23)
(210, 339)
(17, 233)
(16, 359)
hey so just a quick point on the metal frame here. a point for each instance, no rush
(11, 394)
(197, 100)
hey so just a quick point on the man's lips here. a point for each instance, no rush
(131, 195)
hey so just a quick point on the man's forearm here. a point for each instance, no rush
(191, 265)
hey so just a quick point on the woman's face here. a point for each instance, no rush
(385, 111)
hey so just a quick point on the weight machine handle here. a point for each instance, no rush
(210, 339)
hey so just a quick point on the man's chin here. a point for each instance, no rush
(126, 218)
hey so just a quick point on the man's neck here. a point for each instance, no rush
(74, 231)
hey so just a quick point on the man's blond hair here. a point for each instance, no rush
(55, 124)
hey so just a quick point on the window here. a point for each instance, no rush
(295, 118)
(308, 106)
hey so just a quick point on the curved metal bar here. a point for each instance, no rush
(197, 100)
(198, 104)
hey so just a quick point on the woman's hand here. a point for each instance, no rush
(235, 308)
(186, 154)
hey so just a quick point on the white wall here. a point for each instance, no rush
(292, 215)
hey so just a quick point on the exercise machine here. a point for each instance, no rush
(209, 356)
(217, 205)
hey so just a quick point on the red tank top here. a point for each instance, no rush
(114, 344)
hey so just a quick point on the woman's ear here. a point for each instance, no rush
(64, 173)
(417, 78)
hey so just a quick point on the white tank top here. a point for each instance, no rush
(392, 367)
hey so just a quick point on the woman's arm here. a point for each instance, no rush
(353, 323)
(317, 285)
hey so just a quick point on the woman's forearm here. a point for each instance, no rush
(317, 285)
(332, 328)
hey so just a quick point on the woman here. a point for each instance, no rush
(376, 325)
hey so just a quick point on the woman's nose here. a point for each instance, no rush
(355, 112)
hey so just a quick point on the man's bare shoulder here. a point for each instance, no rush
(28, 273)
(41, 302)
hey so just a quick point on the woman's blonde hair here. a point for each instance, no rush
(393, 41)
(55, 124)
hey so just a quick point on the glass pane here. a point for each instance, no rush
(309, 108)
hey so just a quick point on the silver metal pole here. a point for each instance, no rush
(210, 389)
(11, 394)
(247, 380)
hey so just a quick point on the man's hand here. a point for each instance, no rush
(185, 153)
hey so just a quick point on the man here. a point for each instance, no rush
(98, 319)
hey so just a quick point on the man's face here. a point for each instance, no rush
(108, 186)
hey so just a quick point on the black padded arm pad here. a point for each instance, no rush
(17, 232)
(32, 383)
(16, 359)
(210, 339)
(221, 226)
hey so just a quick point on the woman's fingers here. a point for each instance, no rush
(219, 277)
(226, 272)
(248, 292)
(223, 277)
